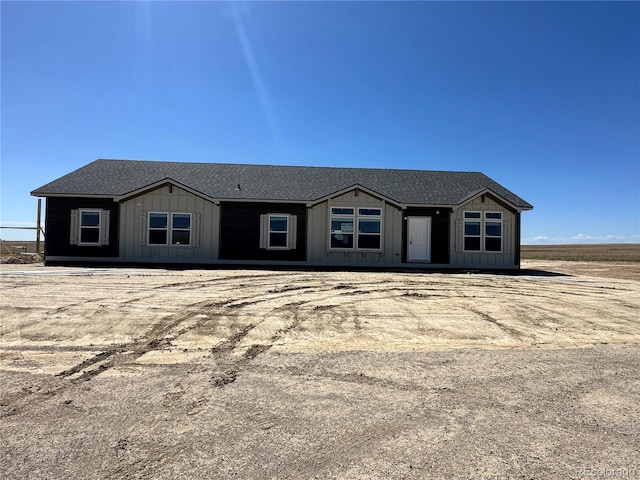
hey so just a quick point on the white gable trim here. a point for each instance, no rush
(159, 184)
(488, 191)
(356, 186)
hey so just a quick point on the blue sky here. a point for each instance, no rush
(544, 97)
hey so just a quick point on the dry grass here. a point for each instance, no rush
(620, 252)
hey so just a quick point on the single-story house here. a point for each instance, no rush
(170, 213)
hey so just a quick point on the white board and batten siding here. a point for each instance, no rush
(318, 243)
(205, 221)
(482, 259)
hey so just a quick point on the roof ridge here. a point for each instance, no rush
(230, 164)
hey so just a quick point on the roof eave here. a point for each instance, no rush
(428, 205)
(35, 193)
(484, 191)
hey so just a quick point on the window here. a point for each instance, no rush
(158, 228)
(90, 227)
(493, 232)
(278, 231)
(472, 231)
(344, 235)
(342, 227)
(181, 229)
(369, 228)
(161, 231)
(479, 230)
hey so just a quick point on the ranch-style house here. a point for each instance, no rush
(173, 213)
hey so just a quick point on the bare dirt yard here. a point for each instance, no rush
(147, 373)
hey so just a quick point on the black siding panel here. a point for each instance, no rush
(58, 227)
(517, 240)
(240, 231)
(440, 223)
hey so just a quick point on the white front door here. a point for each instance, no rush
(418, 239)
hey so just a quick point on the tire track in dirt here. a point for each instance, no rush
(5, 311)
(100, 357)
(360, 378)
(506, 328)
(111, 357)
(159, 337)
(553, 314)
(234, 365)
(319, 298)
(55, 348)
(205, 283)
(228, 367)
(156, 338)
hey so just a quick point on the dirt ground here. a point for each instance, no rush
(149, 373)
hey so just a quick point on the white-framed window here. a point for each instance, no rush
(493, 231)
(342, 222)
(169, 229)
(369, 228)
(482, 231)
(90, 226)
(278, 231)
(472, 231)
(158, 231)
(181, 229)
(352, 228)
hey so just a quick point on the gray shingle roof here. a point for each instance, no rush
(268, 182)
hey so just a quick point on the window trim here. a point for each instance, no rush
(265, 231)
(286, 231)
(80, 226)
(149, 229)
(357, 215)
(468, 220)
(190, 229)
(500, 221)
(169, 229)
(346, 216)
(483, 220)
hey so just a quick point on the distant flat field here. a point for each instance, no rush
(617, 252)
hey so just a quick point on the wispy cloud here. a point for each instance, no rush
(241, 22)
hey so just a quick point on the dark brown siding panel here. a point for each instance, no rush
(240, 231)
(58, 227)
(439, 232)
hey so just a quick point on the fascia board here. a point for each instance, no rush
(350, 188)
(258, 200)
(158, 184)
(485, 191)
(70, 195)
(428, 205)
